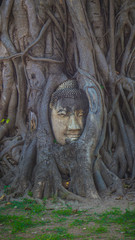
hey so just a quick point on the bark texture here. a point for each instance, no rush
(42, 44)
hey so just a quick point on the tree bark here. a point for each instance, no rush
(42, 45)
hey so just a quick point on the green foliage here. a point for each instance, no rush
(26, 205)
(116, 216)
(98, 230)
(54, 141)
(66, 212)
(30, 194)
(33, 206)
(78, 222)
(55, 236)
(5, 120)
(54, 199)
(44, 200)
(90, 218)
(18, 223)
(7, 189)
(29, 214)
(38, 208)
(125, 220)
(60, 230)
(59, 233)
(61, 219)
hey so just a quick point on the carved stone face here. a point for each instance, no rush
(68, 119)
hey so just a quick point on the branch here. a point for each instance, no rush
(127, 106)
(45, 59)
(9, 148)
(11, 113)
(125, 138)
(13, 56)
(8, 80)
(112, 44)
(5, 13)
(127, 51)
(83, 35)
(56, 23)
(60, 13)
(43, 30)
(101, 60)
(130, 60)
(21, 54)
(7, 163)
(96, 20)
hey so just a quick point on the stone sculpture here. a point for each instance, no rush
(69, 108)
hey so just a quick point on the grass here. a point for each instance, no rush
(98, 230)
(126, 220)
(25, 205)
(54, 236)
(78, 222)
(28, 220)
(66, 212)
(17, 223)
(56, 233)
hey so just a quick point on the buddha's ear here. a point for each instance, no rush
(92, 94)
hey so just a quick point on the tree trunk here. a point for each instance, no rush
(44, 44)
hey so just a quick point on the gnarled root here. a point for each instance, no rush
(112, 181)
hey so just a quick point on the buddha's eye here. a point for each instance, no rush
(62, 113)
(80, 114)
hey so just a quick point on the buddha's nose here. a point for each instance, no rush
(73, 124)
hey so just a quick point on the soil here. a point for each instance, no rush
(107, 203)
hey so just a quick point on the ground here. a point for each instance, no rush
(56, 219)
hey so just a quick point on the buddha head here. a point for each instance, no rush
(69, 108)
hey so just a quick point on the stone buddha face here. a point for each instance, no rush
(68, 115)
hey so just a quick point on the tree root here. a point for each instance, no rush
(111, 180)
(120, 159)
(125, 139)
(11, 114)
(109, 161)
(98, 179)
(65, 194)
(9, 148)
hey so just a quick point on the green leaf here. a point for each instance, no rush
(2, 121)
(7, 120)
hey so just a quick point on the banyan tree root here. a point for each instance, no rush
(112, 181)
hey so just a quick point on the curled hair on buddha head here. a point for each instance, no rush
(68, 89)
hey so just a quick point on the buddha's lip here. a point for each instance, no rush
(73, 132)
(73, 135)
